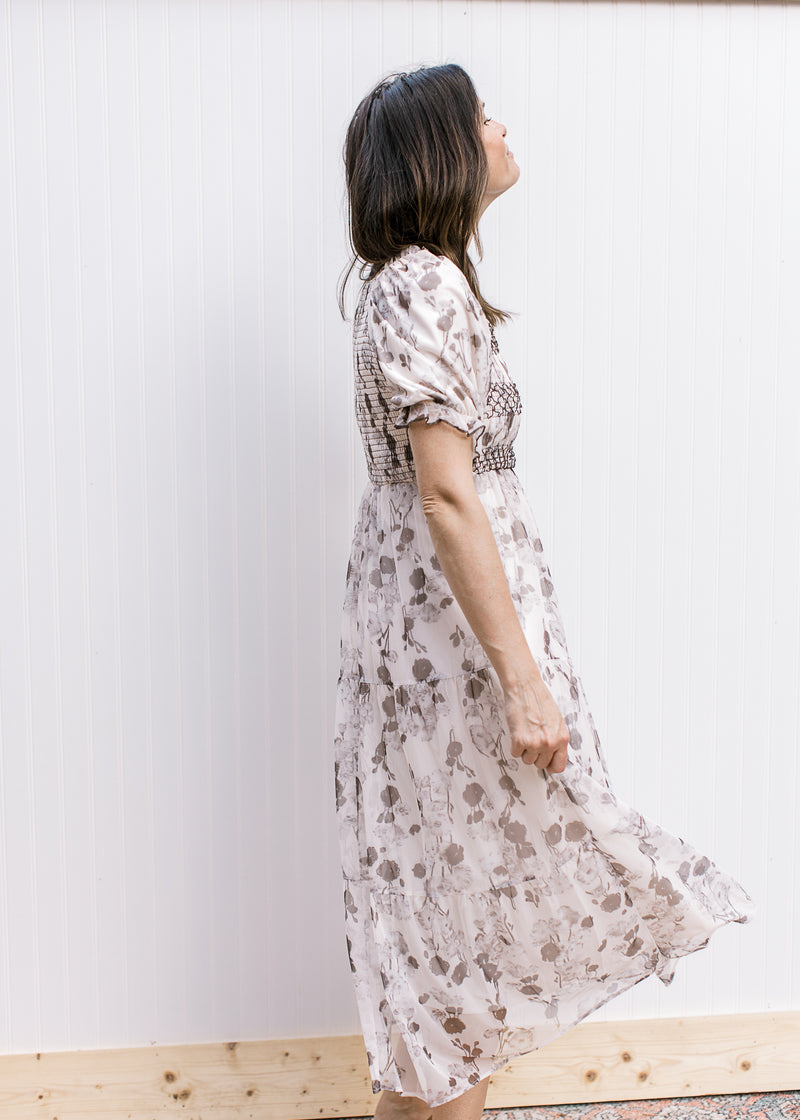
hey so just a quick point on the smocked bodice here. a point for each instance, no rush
(423, 349)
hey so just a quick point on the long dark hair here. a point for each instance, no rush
(416, 172)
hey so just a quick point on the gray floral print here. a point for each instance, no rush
(489, 906)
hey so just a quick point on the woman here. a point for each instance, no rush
(496, 891)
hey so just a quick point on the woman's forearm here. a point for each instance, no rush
(468, 555)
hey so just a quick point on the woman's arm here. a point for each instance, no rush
(467, 552)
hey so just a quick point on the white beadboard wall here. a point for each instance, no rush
(179, 469)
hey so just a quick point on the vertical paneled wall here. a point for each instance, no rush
(179, 470)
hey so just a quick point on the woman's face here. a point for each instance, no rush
(503, 169)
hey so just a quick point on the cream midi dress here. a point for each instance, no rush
(489, 905)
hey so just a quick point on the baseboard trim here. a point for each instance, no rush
(305, 1078)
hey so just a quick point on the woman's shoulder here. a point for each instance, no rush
(419, 272)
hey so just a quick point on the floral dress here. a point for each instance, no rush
(489, 905)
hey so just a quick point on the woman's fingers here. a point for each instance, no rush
(554, 761)
(539, 734)
(545, 758)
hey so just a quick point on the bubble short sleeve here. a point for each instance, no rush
(431, 341)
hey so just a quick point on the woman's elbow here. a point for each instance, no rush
(433, 504)
(449, 501)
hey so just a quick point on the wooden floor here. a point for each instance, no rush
(297, 1079)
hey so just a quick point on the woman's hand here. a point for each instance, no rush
(539, 735)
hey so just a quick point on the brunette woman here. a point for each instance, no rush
(496, 890)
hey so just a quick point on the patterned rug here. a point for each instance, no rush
(753, 1106)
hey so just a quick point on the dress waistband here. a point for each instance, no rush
(497, 458)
